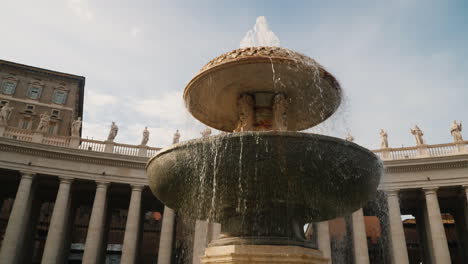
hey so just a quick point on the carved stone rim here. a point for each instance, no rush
(189, 143)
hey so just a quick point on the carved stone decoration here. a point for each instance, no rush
(349, 138)
(176, 137)
(455, 130)
(245, 108)
(5, 113)
(280, 113)
(206, 132)
(75, 127)
(384, 138)
(145, 138)
(43, 126)
(114, 129)
(418, 135)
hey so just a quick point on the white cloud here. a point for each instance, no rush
(95, 98)
(81, 8)
(168, 108)
(135, 31)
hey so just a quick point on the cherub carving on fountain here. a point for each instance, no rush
(75, 127)
(349, 138)
(246, 113)
(5, 113)
(384, 137)
(176, 137)
(455, 130)
(280, 113)
(206, 132)
(114, 129)
(145, 138)
(43, 126)
(418, 135)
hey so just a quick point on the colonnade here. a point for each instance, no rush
(434, 228)
(18, 223)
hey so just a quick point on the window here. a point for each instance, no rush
(52, 126)
(25, 123)
(8, 87)
(55, 114)
(34, 92)
(59, 97)
(29, 109)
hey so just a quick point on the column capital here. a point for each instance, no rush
(66, 180)
(102, 184)
(393, 192)
(28, 174)
(430, 190)
(465, 187)
(137, 187)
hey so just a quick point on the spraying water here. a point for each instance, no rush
(260, 35)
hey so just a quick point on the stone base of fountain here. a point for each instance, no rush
(243, 254)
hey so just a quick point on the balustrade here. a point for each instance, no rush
(135, 150)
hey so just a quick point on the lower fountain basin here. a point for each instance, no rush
(264, 184)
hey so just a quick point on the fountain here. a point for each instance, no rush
(265, 180)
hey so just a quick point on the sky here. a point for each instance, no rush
(399, 62)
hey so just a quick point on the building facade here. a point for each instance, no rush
(65, 200)
(34, 92)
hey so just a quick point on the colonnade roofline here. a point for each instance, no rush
(144, 151)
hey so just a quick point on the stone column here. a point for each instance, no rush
(440, 250)
(465, 188)
(361, 253)
(397, 235)
(132, 228)
(167, 235)
(323, 239)
(15, 233)
(200, 240)
(96, 227)
(55, 242)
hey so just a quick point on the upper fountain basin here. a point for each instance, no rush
(313, 94)
(313, 177)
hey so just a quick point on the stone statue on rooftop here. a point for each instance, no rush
(349, 138)
(75, 127)
(206, 132)
(418, 135)
(245, 106)
(455, 130)
(44, 123)
(384, 137)
(280, 112)
(176, 137)
(114, 129)
(5, 113)
(145, 138)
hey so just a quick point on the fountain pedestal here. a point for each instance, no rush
(243, 254)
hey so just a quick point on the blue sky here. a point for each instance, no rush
(400, 63)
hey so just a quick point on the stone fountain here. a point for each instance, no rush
(265, 180)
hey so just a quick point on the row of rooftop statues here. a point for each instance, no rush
(44, 122)
(455, 130)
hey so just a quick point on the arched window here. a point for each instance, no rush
(35, 90)
(59, 96)
(9, 86)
